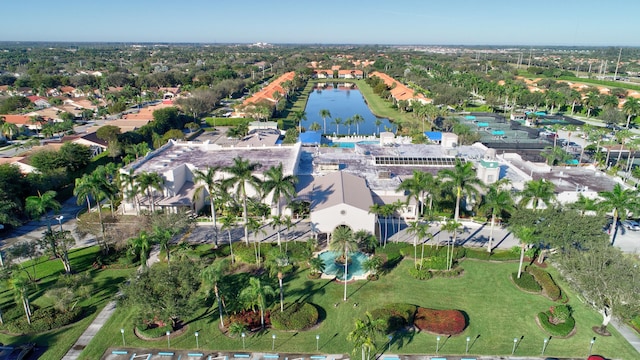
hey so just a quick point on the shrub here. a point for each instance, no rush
(435, 263)
(443, 322)
(457, 271)
(296, 316)
(153, 331)
(250, 319)
(396, 316)
(226, 121)
(543, 278)
(244, 253)
(562, 329)
(395, 251)
(526, 282)
(43, 320)
(423, 274)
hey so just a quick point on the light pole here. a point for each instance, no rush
(317, 342)
(591, 345)
(544, 345)
(437, 344)
(390, 337)
(59, 218)
(197, 343)
(243, 336)
(168, 339)
(122, 332)
(466, 351)
(273, 342)
(515, 342)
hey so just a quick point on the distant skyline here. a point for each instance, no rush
(383, 22)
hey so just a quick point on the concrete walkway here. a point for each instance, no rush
(627, 333)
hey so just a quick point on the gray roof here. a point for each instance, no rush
(336, 188)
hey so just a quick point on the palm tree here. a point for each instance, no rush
(418, 187)
(279, 185)
(97, 186)
(324, 114)
(337, 121)
(209, 183)
(584, 204)
(228, 222)
(150, 181)
(462, 179)
(537, 192)
(631, 107)
(591, 101)
(343, 240)
(420, 231)
(376, 209)
(163, 237)
(140, 246)
(377, 123)
(256, 295)
(357, 119)
(363, 335)
(526, 236)
(316, 265)
(9, 129)
(130, 188)
(621, 202)
(496, 201)
(451, 226)
(315, 126)
(39, 205)
(298, 116)
(211, 276)
(20, 286)
(242, 175)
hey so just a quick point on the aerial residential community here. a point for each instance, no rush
(287, 197)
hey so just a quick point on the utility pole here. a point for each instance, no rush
(615, 76)
(530, 54)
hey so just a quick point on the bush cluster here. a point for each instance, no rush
(526, 282)
(244, 253)
(457, 271)
(42, 320)
(562, 329)
(423, 274)
(395, 251)
(296, 316)
(498, 255)
(250, 319)
(152, 331)
(443, 322)
(550, 288)
(435, 263)
(396, 316)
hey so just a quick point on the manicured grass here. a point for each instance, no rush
(57, 342)
(498, 312)
(381, 107)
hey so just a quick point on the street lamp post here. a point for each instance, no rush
(197, 343)
(122, 332)
(60, 218)
(466, 351)
(390, 337)
(515, 342)
(243, 336)
(273, 342)
(591, 345)
(437, 344)
(168, 339)
(544, 345)
(317, 342)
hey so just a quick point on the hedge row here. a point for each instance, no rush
(153, 332)
(396, 316)
(426, 274)
(41, 320)
(296, 316)
(526, 282)
(550, 288)
(561, 329)
(443, 322)
(226, 121)
(498, 255)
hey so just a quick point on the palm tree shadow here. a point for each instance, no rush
(403, 337)
(308, 291)
(359, 287)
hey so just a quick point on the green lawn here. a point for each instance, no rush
(497, 311)
(57, 342)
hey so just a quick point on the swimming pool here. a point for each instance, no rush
(331, 267)
(351, 145)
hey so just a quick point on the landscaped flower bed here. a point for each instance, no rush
(526, 282)
(250, 319)
(443, 322)
(395, 316)
(550, 288)
(557, 321)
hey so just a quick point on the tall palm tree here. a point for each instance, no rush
(39, 205)
(242, 176)
(337, 121)
(324, 114)
(298, 116)
(592, 100)
(584, 204)
(376, 209)
(451, 226)
(140, 246)
(208, 182)
(417, 187)
(462, 180)
(150, 181)
(496, 201)
(256, 295)
(526, 236)
(537, 192)
(130, 188)
(211, 276)
(228, 221)
(163, 237)
(9, 129)
(97, 186)
(343, 241)
(279, 186)
(621, 202)
(420, 231)
(363, 335)
(631, 107)
(357, 119)
(20, 286)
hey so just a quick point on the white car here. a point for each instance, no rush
(631, 225)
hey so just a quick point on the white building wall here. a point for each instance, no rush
(326, 220)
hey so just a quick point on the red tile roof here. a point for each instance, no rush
(17, 119)
(267, 92)
(399, 91)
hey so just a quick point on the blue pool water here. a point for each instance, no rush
(354, 268)
(351, 145)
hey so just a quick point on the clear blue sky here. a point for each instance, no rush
(465, 22)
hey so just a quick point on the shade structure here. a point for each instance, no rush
(482, 124)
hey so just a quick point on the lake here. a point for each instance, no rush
(344, 103)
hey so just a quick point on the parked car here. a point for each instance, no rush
(631, 225)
